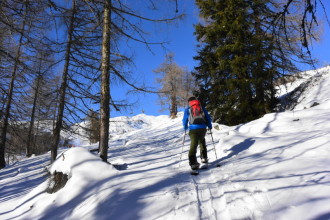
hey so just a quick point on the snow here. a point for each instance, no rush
(276, 167)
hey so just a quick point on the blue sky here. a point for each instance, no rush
(182, 43)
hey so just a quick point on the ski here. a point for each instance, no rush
(194, 169)
(204, 166)
(194, 172)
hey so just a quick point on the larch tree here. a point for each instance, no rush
(81, 65)
(9, 97)
(124, 18)
(307, 15)
(176, 85)
(105, 82)
(26, 25)
(41, 95)
(64, 85)
(88, 55)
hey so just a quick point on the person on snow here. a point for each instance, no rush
(199, 119)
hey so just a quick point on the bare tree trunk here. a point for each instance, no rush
(174, 108)
(64, 85)
(5, 119)
(105, 83)
(32, 119)
(2, 110)
(34, 149)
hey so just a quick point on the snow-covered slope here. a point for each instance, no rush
(309, 89)
(276, 167)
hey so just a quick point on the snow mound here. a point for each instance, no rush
(77, 162)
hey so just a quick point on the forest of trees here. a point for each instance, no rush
(58, 60)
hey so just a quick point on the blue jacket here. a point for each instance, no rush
(196, 126)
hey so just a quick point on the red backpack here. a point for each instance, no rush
(196, 113)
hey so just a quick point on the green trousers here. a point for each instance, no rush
(197, 137)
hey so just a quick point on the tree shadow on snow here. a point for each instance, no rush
(325, 216)
(123, 204)
(119, 204)
(20, 179)
(238, 148)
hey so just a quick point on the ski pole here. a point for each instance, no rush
(213, 145)
(184, 137)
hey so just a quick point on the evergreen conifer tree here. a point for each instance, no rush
(238, 59)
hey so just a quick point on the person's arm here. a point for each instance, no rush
(208, 118)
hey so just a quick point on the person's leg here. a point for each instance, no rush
(202, 144)
(193, 147)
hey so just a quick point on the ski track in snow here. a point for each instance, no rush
(210, 197)
(204, 198)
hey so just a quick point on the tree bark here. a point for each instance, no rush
(105, 83)
(174, 108)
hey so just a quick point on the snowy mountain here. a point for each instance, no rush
(276, 167)
(308, 89)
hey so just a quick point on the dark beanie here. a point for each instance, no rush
(191, 98)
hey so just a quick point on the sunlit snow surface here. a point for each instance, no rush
(276, 167)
